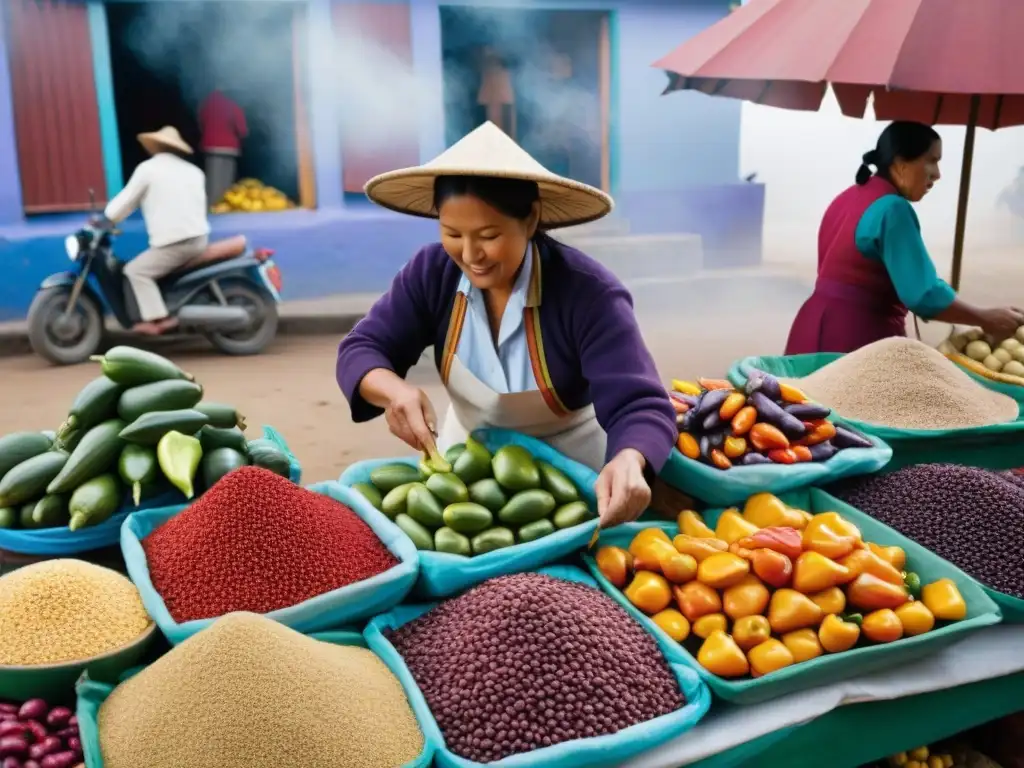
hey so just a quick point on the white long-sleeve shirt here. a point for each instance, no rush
(172, 194)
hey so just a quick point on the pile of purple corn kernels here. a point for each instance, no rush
(527, 661)
(974, 518)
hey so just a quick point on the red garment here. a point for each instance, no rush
(222, 123)
(854, 301)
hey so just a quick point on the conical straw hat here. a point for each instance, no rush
(166, 138)
(488, 151)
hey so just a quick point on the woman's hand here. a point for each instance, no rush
(411, 418)
(622, 490)
(1002, 322)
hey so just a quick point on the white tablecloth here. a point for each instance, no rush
(989, 653)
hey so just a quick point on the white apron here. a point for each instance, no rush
(538, 413)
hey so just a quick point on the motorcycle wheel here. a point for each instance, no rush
(254, 339)
(64, 341)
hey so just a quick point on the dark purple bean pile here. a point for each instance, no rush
(527, 661)
(974, 518)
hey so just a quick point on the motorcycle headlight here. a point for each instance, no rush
(72, 246)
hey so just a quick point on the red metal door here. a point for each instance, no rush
(56, 118)
(383, 32)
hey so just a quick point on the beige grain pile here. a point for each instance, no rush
(66, 610)
(250, 692)
(906, 384)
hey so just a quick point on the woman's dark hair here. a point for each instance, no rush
(901, 139)
(512, 197)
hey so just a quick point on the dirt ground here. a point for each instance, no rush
(693, 327)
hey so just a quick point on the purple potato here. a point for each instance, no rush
(712, 421)
(38, 731)
(807, 411)
(33, 709)
(12, 728)
(60, 760)
(6, 706)
(13, 746)
(710, 402)
(47, 746)
(769, 411)
(846, 437)
(58, 718)
(12, 762)
(823, 451)
(752, 459)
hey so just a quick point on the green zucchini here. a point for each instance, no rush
(8, 517)
(149, 428)
(51, 511)
(130, 367)
(168, 395)
(221, 416)
(265, 453)
(95, 454)
(213, 438)
(138, 468)
(25, 520)
(29, 479)
(96, 402)
(94, 502)
(21, 446)
(220, 462)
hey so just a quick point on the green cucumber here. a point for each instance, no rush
(468, 517)
(557, 483)
(138, 468)
(448, 488)
(130, 367)
(94, 502)
(169, 395)
(96, 453)
(390, 476)
(219, 463)
(51, 511)
(515, 468)
(423, 507)
(221, 416)
(21, 446)
(25, 512)
(527, 507)
(395, 501)
(8, 517)
(452, 542)
(571, 514)
(495, 538)
(213, 438)
(266, 453)
(420, 536)
(150, 427)
(538, 529)
(29, 479)
(369, 492)
(96, 402)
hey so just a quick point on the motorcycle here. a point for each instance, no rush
(229, 294)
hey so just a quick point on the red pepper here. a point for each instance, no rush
(783, 456)
(788, 541)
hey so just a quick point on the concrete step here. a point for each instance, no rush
(608, 226)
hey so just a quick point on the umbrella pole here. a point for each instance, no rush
(965, 190)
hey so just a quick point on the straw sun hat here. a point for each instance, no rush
(166, 138)
(488, 151)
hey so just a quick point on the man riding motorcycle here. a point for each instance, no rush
(172, 194)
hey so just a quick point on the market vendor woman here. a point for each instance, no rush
(873, 267)
(528, 334)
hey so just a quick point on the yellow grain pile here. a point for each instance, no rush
(66, 610)
(250, 692)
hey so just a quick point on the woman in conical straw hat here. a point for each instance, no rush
(528, 334)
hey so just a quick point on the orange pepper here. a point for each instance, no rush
(650, 592)
(765, 437)
(790, 394)
(768, 511)
(719, 459)
(688, 445)
(651, 554)
(713, 622)
(818, 432)
(698, 548)
(831, 600)
(646, 536)
(740, 551)
(803, 644)
(831, 535)
(732, 527)
(870, 593)
(915, 618)
(813, 572)
(722, 570)
(743, 421)
(615, 564)
(838, 634)
(769, 656)
(882, 626)
(772, 567)
(715, 383)
(781, 539)
(692, 524)
(749, 597)
(672, 623)
(783, 456)
(894, 556)
(720, 656)
(732, 405)
(678, 568)
(865, 561)
(734, 447)
(695, 600)
(750, 631)
(802, 453)
(789, 610)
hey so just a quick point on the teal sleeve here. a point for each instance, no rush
(890, 232)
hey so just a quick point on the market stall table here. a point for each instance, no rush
(730, 735)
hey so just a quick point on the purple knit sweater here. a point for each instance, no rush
(594, 350)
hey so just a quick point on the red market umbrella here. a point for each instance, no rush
(941, 62)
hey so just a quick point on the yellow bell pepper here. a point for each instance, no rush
(803, 644)
(692, 524)
(944, 600)
(750, 631)
(769, 656)
(713, 622)
(882, 626)
(720, 656)
(615, 564)
(915, 618)
(646, 536)
(831, 600)
(722, 570)
(813, 572)
(789, 610)
(695, 600)
(649, 555)
(686, 387)
(697, 547)
(865, 561)
(732, 527)
(768, 511)
(894, 556)
(830, 535)
(838, 634)
(672, 623)
(678, 568)
(748, 597)
(650, 592)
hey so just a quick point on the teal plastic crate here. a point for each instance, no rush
(982, 611)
